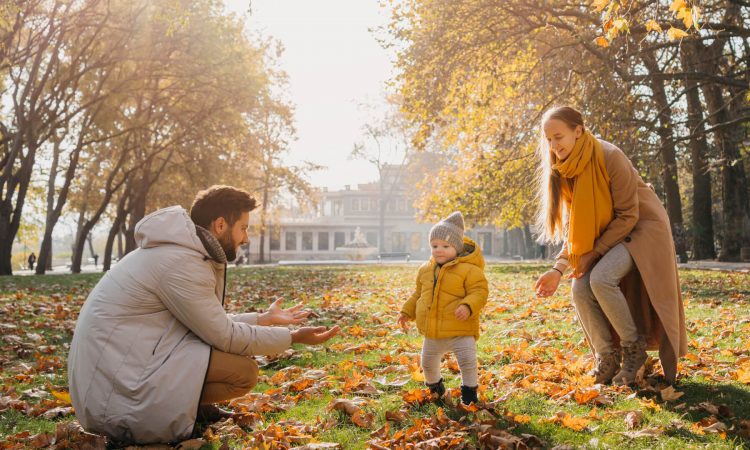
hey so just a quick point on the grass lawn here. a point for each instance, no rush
(363, 387)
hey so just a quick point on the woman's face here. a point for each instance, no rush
(561, 138)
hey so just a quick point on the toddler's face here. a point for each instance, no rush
(442, 251)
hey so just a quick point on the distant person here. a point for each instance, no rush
(96, 259)
(451, 292)
(31, 261)
(153, 347)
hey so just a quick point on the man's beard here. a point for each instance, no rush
(227, 244)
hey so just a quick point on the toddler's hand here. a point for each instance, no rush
(403, 322)
(462, 312)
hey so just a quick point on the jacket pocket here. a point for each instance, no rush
(167, 329)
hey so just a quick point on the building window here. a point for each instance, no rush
(290, 242)
(339, 239)
(355, 204)
(401, 204)
(485, 242)
(398, 241)
(374, 204)
(338, 208)
(392, 205)
(365, 204)
(372, 238)
(274, 238)
(307, 241)
(323, 240)
(416, 242)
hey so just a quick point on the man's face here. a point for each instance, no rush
(231, 237)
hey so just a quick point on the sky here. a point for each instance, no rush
(335, 65)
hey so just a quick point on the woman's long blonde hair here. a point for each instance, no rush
(550, 225)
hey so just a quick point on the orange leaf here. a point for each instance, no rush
(602, 42)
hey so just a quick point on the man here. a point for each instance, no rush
(153, 341)
(31, 260)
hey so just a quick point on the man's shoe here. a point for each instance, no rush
(212, 413)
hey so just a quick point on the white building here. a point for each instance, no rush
(315, 236)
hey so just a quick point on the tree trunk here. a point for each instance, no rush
(703, 223)
(668, 158)
(734, 195)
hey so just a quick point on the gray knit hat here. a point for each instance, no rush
(451, 230)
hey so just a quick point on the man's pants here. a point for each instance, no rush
(229, 376)
(599, 301)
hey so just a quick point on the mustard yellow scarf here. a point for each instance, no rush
(589, 205)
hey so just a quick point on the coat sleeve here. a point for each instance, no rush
(191, 298)
(624, 188)
(248, 318)
(410, 307)
(477, 291)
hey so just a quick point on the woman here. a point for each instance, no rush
(618, 242)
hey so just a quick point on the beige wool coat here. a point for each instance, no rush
(653, 288)
(144, 336)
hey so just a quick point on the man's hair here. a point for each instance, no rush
(220, 201)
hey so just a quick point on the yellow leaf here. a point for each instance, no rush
(602, 42)
(652, 25)
(677, 5)
(687, 17)
(63, 397)
(621, 24)
(743, 374)
(676, 33)
(696, 17)
(416, 375)
(599, 5)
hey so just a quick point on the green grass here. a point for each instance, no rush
(518, 329)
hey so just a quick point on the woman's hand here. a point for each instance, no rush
(277, 316)
(547, 283)
(403, 322)
(462, 312)
(585, 264)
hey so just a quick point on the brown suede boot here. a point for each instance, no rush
(607, 366)
(634, 356)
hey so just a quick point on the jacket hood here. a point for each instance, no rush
(472, 254)
(169, 226)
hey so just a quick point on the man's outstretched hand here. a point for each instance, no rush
(313, 335)
(277, 316)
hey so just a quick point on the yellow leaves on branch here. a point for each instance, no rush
(614, 25)
(652, 25)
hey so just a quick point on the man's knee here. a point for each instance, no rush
(248, 377)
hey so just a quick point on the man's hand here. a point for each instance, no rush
(547, 284)
(462, 312)
(313, 335)
(277, 316)
(584, 264)
(403, 322)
